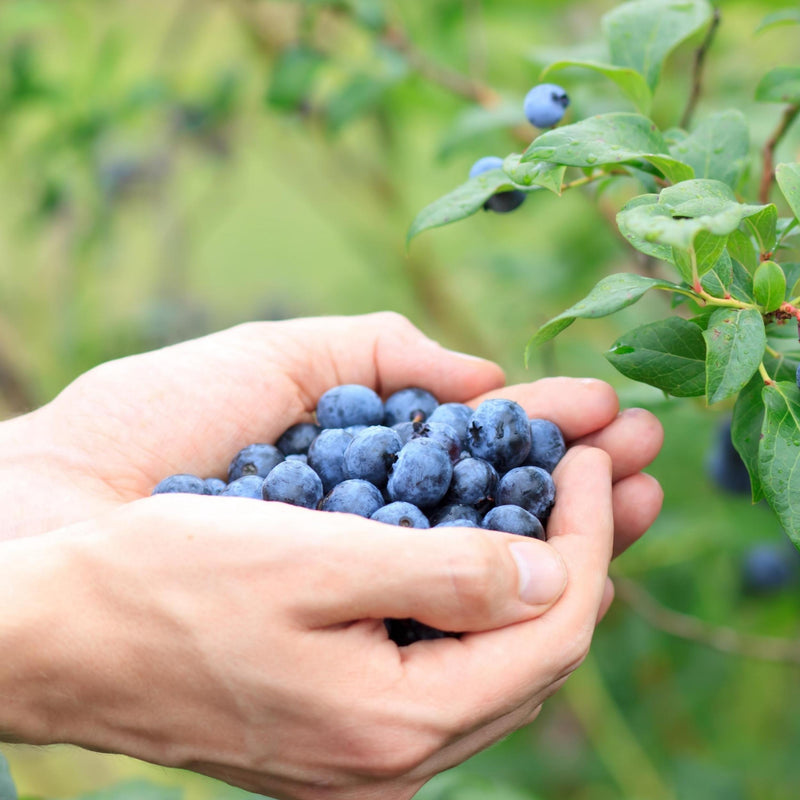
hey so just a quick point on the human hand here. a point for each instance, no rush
(244, 640)
(111, 435)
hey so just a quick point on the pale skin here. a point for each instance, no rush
(244, 640)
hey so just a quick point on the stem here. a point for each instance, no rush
(727, 302)
(697, 72)
(774, 353)
(684, 626)
(764, 374)
(768, 169)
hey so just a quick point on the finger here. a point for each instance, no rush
(632, 440)
(579, 406)
(500, 669)
(637, 502)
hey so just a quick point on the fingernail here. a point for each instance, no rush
(542, 576)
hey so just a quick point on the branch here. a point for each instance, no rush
(768, 170)
(726, 640)
(697, 72)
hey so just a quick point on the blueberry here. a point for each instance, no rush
(255, 459)
(767, 569)
(531, 488)
(182, 484)
(301, 457)
(421, 474)
(293, 482)
(353, 497)
(350, 404)
(215, 486)
(502, 202)
(499, 433)
(474, 482)
(298, 438)
(406, 515)
(545, 105)
(547, 445)
(513, 519)
(404, 632)
(405, 430)
(460, 522)
(371, 454)
(326, 456)
(454, 511)
(441, 433)
(725, 465)
(409, 405)
(456, 415)
(246, 486)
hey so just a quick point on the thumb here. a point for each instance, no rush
(454, 579)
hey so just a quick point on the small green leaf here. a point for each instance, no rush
(717, 148)
(742, 286)
(769, 285)
(748, 419)
(663, 252)
(788, 177)
(707, 249)
(780, 85)
(293, 77)
(642, 33)
(718, 279)
(763, 227)
(632, 84)
(735, 344)
(669, 354)
(7, 789)
(535, 173)
(611, 294)
(779, 455)
(741, 248)
(784, 16)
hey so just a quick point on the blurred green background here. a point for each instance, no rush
(170, 168)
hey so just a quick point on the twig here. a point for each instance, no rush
(697, 72)
(684, 626)
(768, 170)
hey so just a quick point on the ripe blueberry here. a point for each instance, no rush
(246, 486)
(502, 202)
(545, 105)
(326, 456)
(421, 473)
(531, 488)
(547, 445)
(182, 484)
(513, 519)
(500, 434)
(409, 405)
(298, 438)
(371, 454)
(255, 459)
(406, 515)
(293, 482)
(353, 497)
(350, 404)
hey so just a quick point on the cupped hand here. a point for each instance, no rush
(245, 640)
(117, 430)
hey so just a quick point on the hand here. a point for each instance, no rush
(111, 435)
(244, 640)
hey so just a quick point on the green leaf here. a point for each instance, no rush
(763, 226)
(663, 252)
(607, 139)
(462, 202)
(642, 33)
(609, 295)
(784, 16)
(769, 284)
(293, 77)
(7, 789)
(788, 177)
(780, 85)
(717, 148)
(476, 122)
(707, 248)
(669, 354)
(742, 286)
(779, 455)
(632, 84)
(748, 420)
(735, 344)
(535, 173)
(741, 248)
(718, 279)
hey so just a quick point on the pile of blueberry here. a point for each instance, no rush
(408, 461)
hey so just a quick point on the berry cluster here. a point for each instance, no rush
(544, 107)
(408, 461)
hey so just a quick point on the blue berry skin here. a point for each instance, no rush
(440, 433)
(246, 486)
(301, 457)
(350, 404)
(371, 454)
(513, 519)
(499, 433)
(724, 464)
(531, 488)
(405, 430)
(797, 376)
(767, 569)
(474, 482)
(547, 445)
(409, 405)
(421, 474)
(255, 459)
(293, 482)
(326, 456)
(182, 484)
(461, 522)
(485, 164)
(404, 632)
(298, 438)
(457, 416)
(215, 486)
(353, 497)
(454, 511)
(406, 515)
(545, 105)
